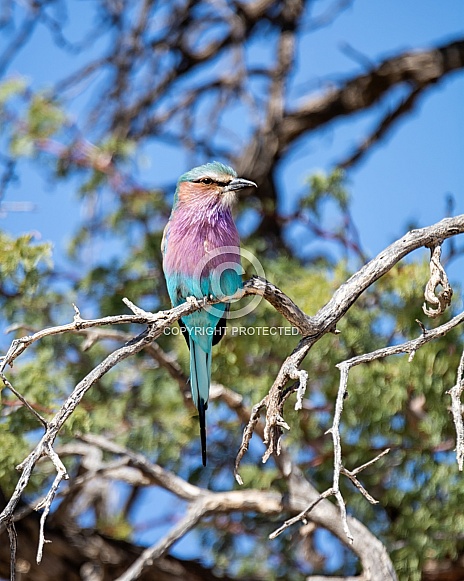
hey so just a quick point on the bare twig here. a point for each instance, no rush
(407, 347)
(351, 474)
(302, 515)
(195, 512)
(456, 409)
(13, 539)
(23, 400)
(437, 277)
(46, 503)
(247, 435)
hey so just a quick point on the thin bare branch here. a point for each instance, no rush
(351, 474)
(7, 384)
(456, 409)
(438, 277)
(384, 127)
(247, 435)
(194, 513)
(45, 504)
(13, 539)
(407, 347)
(302, 515)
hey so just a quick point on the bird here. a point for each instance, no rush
(201, 258)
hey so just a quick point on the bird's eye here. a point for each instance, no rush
(207, 181)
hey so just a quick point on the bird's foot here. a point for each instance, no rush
(194, 301)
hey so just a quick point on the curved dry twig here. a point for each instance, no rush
(438, 277)
(456, 409)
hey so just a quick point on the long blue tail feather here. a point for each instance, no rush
(200, 379)
(202, 415)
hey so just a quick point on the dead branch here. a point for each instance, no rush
(374, 559)
(456, 408)
(419, 69)
(438, 277)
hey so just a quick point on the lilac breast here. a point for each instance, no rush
(194, 236)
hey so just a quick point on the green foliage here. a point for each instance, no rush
(19, 260)
(45, 117)
(115, 527)
(10, 88)
(25, 301)
(23, 265)
(17, 448)
(32, 118)
(324, 187)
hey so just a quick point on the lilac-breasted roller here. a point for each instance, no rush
(201, 258)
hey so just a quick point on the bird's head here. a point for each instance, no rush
(214, 181)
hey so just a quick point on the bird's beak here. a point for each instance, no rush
(239, 184)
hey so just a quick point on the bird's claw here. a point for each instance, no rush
(193, 301)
